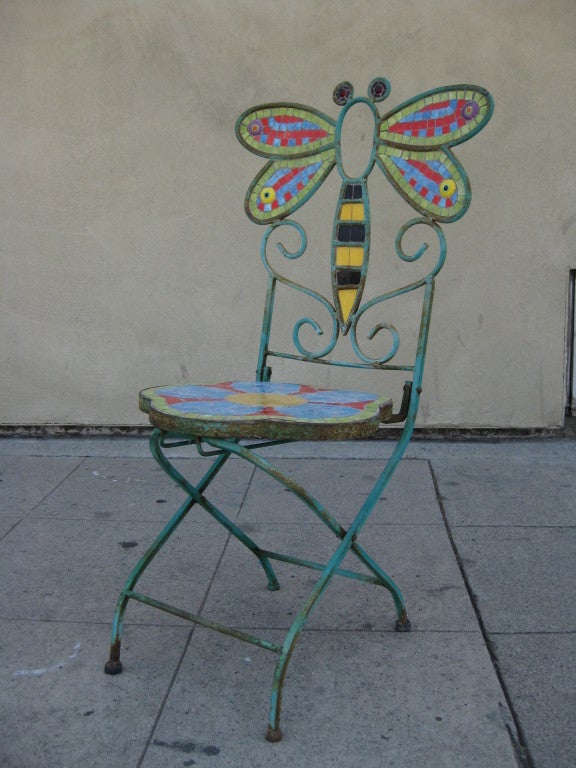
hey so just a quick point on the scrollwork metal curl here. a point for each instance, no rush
(410, 258)
(304, 321)
(375, 330)
(283, 250)
(308, 354)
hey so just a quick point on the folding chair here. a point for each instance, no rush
(412, 147)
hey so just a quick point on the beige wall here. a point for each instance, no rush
(123, 240)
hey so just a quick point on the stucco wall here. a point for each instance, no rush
(126, 259)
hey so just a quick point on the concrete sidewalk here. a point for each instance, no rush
(481, 538)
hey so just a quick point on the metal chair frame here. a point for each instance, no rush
(308, 148)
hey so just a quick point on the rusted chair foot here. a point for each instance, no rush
(114, 666)
(403, 624)
(273, 734)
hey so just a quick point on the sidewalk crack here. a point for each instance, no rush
(511, 723)
(55, 488)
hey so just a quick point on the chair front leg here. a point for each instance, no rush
(114, 666)
(274, 732)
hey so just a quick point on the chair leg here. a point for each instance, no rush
(402, 622)
(114, 666)
(274, 732)
(348, 542)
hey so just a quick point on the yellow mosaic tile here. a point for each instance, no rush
(346, 298)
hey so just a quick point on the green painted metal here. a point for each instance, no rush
(302, 145)
(206, 623)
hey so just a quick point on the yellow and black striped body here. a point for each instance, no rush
(350, 246)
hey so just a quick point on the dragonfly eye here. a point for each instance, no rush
(447, 188)
(470, 110)
(343, 93)
(255, 127)
(379, 89)
(268, 195)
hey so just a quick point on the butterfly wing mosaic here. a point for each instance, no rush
(412, 145)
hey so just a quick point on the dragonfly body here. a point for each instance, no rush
(351, 232)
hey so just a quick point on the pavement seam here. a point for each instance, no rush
(536, 632)
(529, 526)
(9, 531)
(514, 729)
(44, 499)
(55, 488)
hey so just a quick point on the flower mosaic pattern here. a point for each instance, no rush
(237, 400)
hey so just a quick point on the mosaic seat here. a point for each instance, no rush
(265, 410)
(412, 146)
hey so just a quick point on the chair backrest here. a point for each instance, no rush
(411, 145)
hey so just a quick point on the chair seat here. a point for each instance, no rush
(264, 410)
